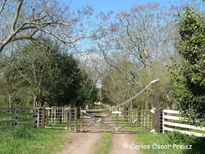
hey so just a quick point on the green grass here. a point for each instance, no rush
(173, 139)
(31, 141)
(170, 143)
(63, 124)
(126, 124)
(104, 144)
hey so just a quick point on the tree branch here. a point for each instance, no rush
(26, 37)
(20, 2)
(63, 40)
(2, 7)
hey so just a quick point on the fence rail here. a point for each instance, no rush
(18, 117)
(172, 120)
(41, 117)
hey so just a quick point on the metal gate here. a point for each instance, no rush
(57, 117)
(117, 121)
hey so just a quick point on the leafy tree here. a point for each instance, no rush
(88, 92)
(25, 69)
(69, 84)
(41, 72)
(119, 86)
(189, 75)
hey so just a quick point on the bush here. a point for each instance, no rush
(176, 138)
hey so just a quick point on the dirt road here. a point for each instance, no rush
(124, 144)
(81, 143)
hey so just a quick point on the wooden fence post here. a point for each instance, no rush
(161, 121)
(162, 118)
(153, 121)
(139, 118)
(81, 120)
(117, 122)
(47, 123)
(38, 117)
(144, 118)
(70, 116)
(43, 120)
(67, 119)
(75, 119)
(157, 106)
(16, 117)
(126, 113)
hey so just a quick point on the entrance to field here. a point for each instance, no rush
(58, 118)
(118, 121)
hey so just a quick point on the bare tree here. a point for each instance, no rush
(146, 33)
(24, 19)
(145, 37)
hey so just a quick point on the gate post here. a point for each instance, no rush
(38, 117)
(43, 120)
(157, 106)
(161, 121)
(153, 121)
(81, 120)
(70, 114)
(75, 118)
(16, 117)
(126, 113)
(117, 121)
(67, 119)
(47, 119)
(139, 118)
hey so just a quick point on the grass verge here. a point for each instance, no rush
(170, 143)
(104, 144)
(31, 141)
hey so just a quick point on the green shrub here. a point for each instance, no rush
(176, 138)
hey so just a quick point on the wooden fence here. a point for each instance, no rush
(40, 117)
(172, 120)
(18, 117)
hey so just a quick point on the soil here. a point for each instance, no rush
(124, 144)
(83, 143)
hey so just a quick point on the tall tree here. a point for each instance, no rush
(42, 72)
(145, 32)
(137, 46)
(189, 75)
(27, 66)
